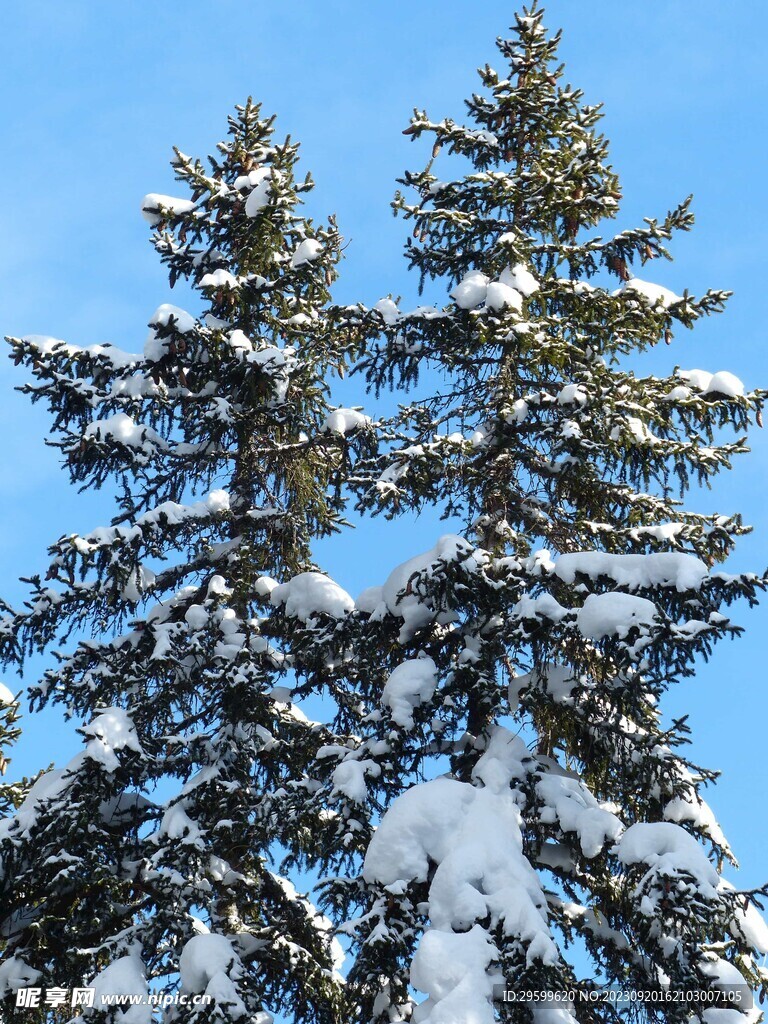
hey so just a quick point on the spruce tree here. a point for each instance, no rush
(153, 857)
(537, 810)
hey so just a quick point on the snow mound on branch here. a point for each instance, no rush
(390, 314)
(668, 850)
(16, 974)
(559, 681)
(151, 207)
(259, 181)
(476, 289)
(655, 294)
(344, 421)
(614, 614)
(219, 278)
(111, 730)
(501, 296)
(47, 345)
(183, 323)
(6, 697)
(207, 964)
(311, 594)
(659, 569)
(306, 252)
(520, 278)
(409, 685)
(48, 788)
(720, 383)
(124, 977)
(747, 923)
(568, 802)
(471, 290)
(572, 394)
(400, 596)
(453, 969)
(467, 841)
(122, 428)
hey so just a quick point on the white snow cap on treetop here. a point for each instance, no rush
(153, 201)
(306, 252)
(311, 594)
(720, 383)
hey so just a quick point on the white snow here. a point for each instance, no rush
(476, 289)
(471, 290)
(153, 201)
(747, 923)
(572, 393)
(111, 729)
(47, 788)
(453, 970)
(344, 421)
(370, 600)
(311, 594)
(614, 614)
(655, 294)
(658, 569)
(239, 341)
(208, 963)
(124, 430)
(398, 594)
(568, 802)
(184, 322)
(501, 296)
(219, 278)
(6, 697)
(520, 278)
(259, 181)
(720, 383)
(306, 252)
(667, 850)
(124, 977)
(47, 345)
(390, 314)
(412, 683)
(264, 586)
(466, 841)
(16, 974)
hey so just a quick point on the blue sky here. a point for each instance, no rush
(92, 96)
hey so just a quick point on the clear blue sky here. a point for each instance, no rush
(92, 96)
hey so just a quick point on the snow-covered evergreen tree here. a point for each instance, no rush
(150, 858)
(519, 668)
